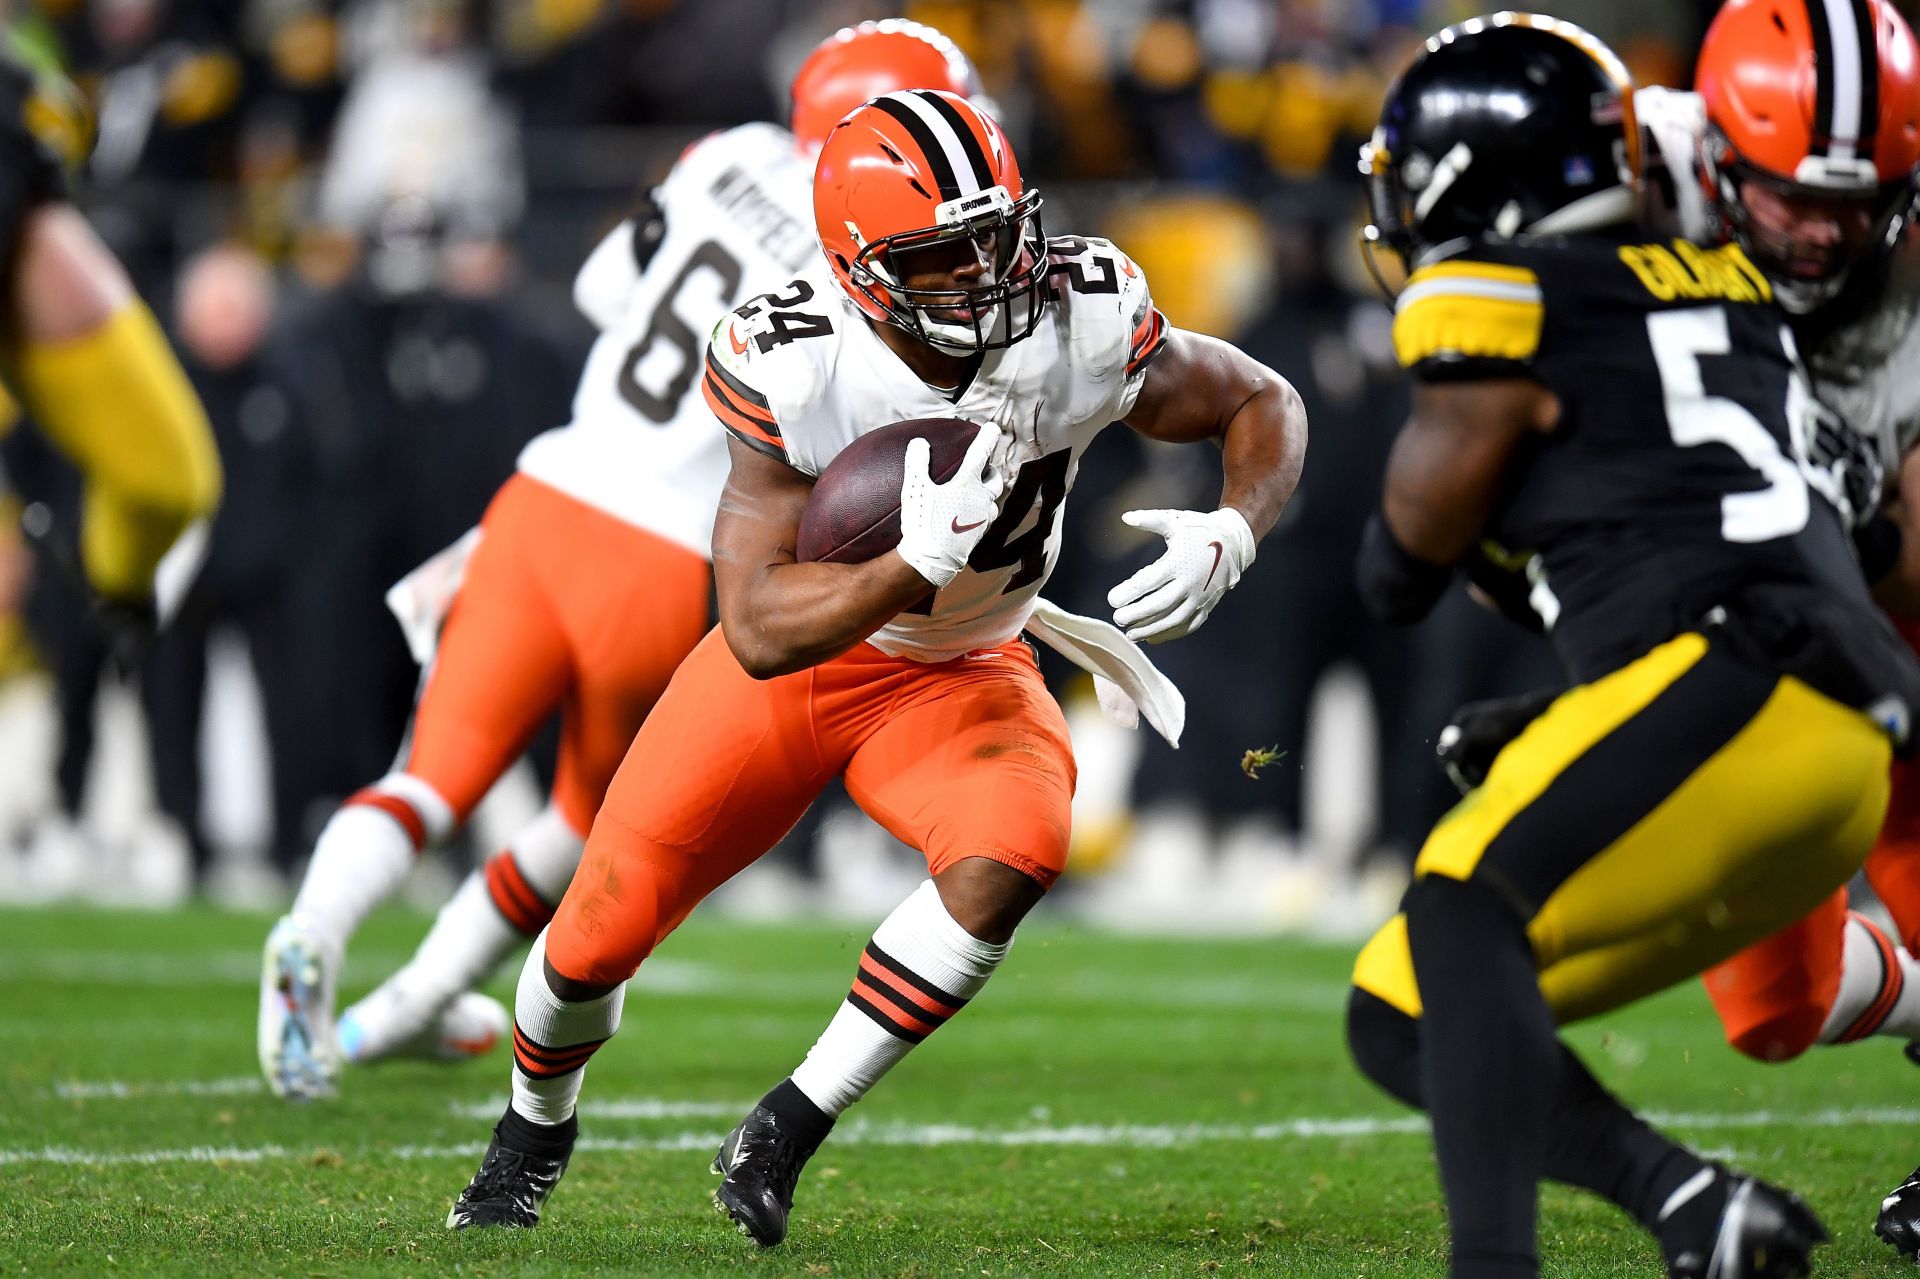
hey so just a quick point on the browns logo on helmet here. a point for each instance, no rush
(1813, 135)
(919, 173)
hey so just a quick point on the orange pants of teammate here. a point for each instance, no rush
(1774, 996)
(565, 608)
(967, 758)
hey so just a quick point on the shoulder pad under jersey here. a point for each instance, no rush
(1102, 300)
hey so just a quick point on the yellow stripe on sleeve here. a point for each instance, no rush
(1468, 310)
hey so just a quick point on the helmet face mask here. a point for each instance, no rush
(1807, 239)
(927, 225)
(998, 231)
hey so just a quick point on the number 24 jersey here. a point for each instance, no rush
(800, 374)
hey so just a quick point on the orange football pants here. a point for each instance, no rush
(562, 607)
(1774, 996)
(967, 758)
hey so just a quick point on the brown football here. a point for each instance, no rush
(854, 513)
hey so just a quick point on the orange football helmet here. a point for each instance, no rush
(1813, 111)
(858, 64)
(918, 168)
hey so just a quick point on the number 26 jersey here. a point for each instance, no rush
(733, 218)
(800, 374)
(1673, 489)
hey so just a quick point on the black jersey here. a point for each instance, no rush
(40, 127)
(1672, 494)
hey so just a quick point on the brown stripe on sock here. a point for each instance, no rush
(514, 897)
(398, 809)
(1892, 984)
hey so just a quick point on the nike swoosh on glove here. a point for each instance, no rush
(1206, 554)
(940, 524)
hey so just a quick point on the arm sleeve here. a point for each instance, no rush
(1146, 329)
(741, 407)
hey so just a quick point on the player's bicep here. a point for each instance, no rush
(1451, 459)
(758, 523)
(1194, 386)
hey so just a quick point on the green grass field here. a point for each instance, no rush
(1108, 1106)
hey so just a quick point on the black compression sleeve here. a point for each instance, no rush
(1399, 587)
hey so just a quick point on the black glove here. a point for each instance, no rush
(1479, 731)
(128, 625)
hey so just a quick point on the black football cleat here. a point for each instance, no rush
(1898, 1224)
(511, 1184)
(1722, 1225)
(761, 1164)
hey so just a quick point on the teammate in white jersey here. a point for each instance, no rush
(905, 675)
(584, 587)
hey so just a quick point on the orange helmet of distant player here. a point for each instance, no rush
(857, 64)
(918, 168)
(1816, 102)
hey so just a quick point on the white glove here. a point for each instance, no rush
(1206, 554)
(940, 524)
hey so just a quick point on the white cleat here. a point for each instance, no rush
(472, 1025)
(298, 1052)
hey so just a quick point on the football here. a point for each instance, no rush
(854, 513)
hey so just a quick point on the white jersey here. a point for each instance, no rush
(801, 374)
(642, 446)
(1864, 357)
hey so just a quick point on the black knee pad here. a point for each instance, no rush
(1385, 1044)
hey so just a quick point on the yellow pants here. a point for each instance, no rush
(1654, 822)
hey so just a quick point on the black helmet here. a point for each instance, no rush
(1509, 123)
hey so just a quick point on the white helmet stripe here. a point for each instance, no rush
(1847, 77)
(966, 178)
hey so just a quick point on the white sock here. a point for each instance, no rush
(467, 940)
(494, 910)
(365, 854)
(920, 969)
(553, 1039)
(1879, 988)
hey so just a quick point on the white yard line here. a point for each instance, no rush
(1118, 1136)
(670, 978)
(122, 1089)
(617, 1108)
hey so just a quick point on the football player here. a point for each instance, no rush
(1802, 143)
(939, 296)
(585, 586)
(1632, 413)
(87, 360)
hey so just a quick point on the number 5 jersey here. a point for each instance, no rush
(800, 374)
(1674, 492)
(733, 218)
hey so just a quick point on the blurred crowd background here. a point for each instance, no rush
(361, 218)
